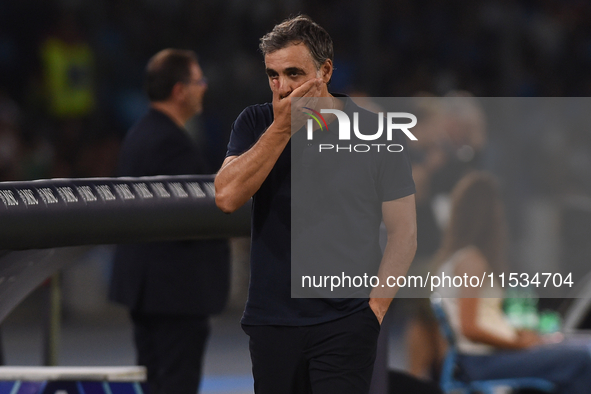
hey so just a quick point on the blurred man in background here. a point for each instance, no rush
(170, 288)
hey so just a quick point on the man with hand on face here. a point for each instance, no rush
(303, 345)
(170, 288)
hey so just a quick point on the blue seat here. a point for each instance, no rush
(454, 380)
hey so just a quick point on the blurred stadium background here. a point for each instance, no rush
(71, 85)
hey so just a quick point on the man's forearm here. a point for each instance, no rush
(398, 255)
(239, 179)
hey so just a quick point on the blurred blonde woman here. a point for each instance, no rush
(489, 347)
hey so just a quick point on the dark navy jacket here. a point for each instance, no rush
(181, 277)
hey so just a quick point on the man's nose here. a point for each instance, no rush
(283, 86)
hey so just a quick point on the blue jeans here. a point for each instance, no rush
(568, 367)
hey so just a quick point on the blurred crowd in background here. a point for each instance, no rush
(71, 71)
(71, 79)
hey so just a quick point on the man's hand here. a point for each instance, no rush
(400, 219)
(241, 176)
(282, 106)
(380, 306)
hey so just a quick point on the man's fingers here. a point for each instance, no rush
(276, 97)
(310, 86)
(303, 88)
(314, 90)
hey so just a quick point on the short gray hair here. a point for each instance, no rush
(296, 30)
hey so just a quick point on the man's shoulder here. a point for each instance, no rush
(255, 115)
(261, 108)
(248, 127)
(153, 135)
(351, 106)
(154, 120)
(153, 126)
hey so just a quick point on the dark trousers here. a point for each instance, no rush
(334, 357)
(171, 348)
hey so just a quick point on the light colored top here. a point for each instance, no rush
(490, 316)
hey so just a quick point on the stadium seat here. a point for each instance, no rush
(455, 381)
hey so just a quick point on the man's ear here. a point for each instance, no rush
(326, 70)
(178, 91)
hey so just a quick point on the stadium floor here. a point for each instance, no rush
(106, 339)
